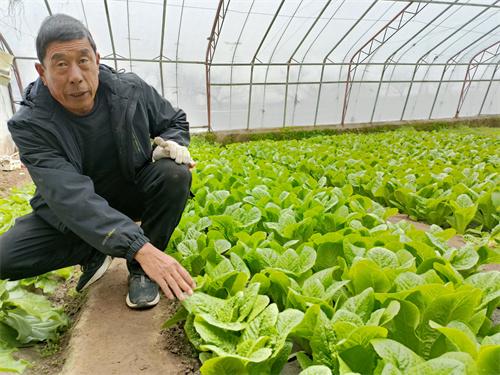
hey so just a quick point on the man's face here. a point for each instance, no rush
(70, 70)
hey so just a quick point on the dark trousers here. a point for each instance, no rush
(157, 198)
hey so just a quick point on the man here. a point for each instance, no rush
(84, 132)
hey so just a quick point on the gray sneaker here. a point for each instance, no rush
(93, 270)
(143, 293)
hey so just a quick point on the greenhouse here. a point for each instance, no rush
(249, 187)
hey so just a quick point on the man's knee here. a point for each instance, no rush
(173, 177)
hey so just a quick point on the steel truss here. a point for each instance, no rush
(391, 57)
(454, 61)
(484, 55)
(375, 42)
(426, 55)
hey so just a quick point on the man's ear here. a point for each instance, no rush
(97, 58)
(41, 72)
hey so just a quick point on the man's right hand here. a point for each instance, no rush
(173, 150)
(167, 272)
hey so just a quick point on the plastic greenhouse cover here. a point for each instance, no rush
(285, 63)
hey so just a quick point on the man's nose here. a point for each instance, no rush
(75, 74)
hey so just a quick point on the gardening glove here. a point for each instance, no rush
(172, 150)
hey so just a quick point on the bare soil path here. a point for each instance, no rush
(109, 338)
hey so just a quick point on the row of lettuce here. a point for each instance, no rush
(295, 260)
(449, 178)
(26, 314)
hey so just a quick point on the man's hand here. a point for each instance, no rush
(171, 277)
(172, 150)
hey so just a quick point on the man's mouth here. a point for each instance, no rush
(78, 94)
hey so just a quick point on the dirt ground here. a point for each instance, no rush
(10, 179)
(124, 341)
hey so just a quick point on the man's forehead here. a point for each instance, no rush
(81, 46)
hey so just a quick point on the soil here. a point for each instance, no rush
(175, 341)
(109, 338)
(10, 179)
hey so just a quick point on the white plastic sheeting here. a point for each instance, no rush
(7, 146)
(409, 76)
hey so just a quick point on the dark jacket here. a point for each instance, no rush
(64, 197)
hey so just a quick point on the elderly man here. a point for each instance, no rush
(84, 132)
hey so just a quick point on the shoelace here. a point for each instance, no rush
(143, 279)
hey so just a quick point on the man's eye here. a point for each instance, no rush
(84, 61)
(61, 64)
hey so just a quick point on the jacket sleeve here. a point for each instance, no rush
(165, 121)
(71, 196)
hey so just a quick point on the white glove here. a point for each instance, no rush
(172, 150)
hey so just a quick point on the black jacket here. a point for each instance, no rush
(64, 197)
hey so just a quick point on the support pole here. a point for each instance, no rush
(213, 39)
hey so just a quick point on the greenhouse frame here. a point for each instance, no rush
(266, 64)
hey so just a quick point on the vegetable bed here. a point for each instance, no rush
(26, 315)
(295, 258)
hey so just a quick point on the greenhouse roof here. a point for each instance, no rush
(251, 64)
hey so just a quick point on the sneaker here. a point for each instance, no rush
(93, 270)
(142, 293)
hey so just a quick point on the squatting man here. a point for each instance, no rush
(84, 133)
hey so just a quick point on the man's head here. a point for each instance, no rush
(69, 62)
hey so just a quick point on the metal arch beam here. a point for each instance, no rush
(488, 89)
(373, 44)
(293, 54)
(233, 57)
(306, 53)
(484, 55)
(369, 62)
(425, 55)
(177, 54)
(324, 63)
(252, 63)
(84, 14)
(48, 7)
(391, 56)
(302, 64)
(445, 50)
(274, 50)
(129, 37)
(434, 62)
(446, 3)
(213, 39)
(163, 21)
(452, 60)
(110, 33)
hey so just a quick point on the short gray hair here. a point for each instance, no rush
(60, 28)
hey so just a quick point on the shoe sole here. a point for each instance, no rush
(100, 272)
(143, 305)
